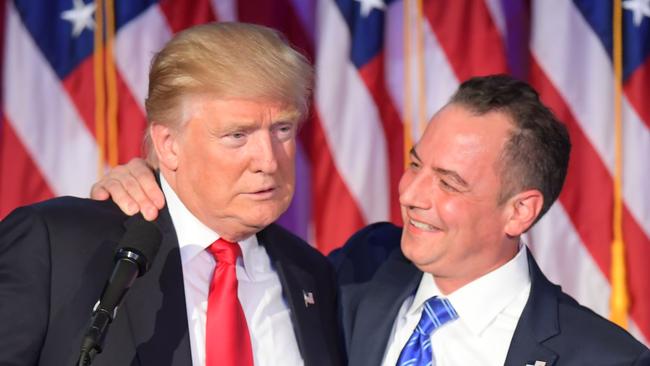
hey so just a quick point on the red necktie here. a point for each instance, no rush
(227, 341)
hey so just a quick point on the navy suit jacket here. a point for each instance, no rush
(56, 256)
(553, 327)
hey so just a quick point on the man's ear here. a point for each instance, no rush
(523, 211)
(165, 144)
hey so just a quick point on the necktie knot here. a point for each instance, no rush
(417, 351)
(225, 251)
(435, 312)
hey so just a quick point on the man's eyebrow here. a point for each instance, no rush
(453, 175)
(414, 154)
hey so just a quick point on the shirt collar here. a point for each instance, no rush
(194, 236)
(501, 286)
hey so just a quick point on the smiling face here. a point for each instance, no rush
(454, 226)
(231, 163)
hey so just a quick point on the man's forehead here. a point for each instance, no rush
(239, 108)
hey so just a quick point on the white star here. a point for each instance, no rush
(368, 5)
(81, 17)
(640, 8)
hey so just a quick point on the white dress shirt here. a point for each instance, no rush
(488, 311)
(259, 290)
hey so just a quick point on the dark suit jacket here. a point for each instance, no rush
(553, 327)
(56, 256)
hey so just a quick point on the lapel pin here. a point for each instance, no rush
(309, 298)
(537, 363)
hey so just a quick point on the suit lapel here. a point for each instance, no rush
(300, 290)
(156, 306)
(538, 322)
(392, 284)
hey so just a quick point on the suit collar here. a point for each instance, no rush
(538, 322)
(156, 305)
(392, 284)
(299, 288)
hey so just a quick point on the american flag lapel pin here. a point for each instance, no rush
(537, 363)
(308, 297)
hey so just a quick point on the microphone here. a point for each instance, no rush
(133, 257)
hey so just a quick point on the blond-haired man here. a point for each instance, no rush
(460, 287)
(224, 105)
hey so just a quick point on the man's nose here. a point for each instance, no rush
(416, 190)
(264, 158)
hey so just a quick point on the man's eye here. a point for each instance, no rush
(414, 165)
(284, 131)
(237, 135)
(447, 186)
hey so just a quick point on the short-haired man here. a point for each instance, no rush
(463, 289)
(228, 287)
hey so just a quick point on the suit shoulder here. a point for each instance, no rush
(66, 223)
(278, 239)
(81, 214)
(597, 334)
(76, 206)
(366, 250)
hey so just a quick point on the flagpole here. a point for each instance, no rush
(98, 71)
(619, 298)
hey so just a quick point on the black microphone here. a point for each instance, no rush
(133, 257)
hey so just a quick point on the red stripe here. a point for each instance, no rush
(280, 15)
(3, 20)
(587, 198)
(180, 15)
(21, 182)
(372, 74)
(334, 211)
(637, 90)
(469, 37)
(637, 247)
(588, 205)
(80, 85)
(131, 123)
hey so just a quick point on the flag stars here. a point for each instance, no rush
(81, 17)
(640, 8)
(368, 5)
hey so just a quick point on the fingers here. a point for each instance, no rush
(143, 174)
(97, 192)
(122, 188)
(133, 188)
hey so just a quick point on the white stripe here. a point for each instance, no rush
(226, 10)
(573, 58)
(565, 260)
(495, 7)
(636, 175)
(575, 61)
(350, 118)
(135, 45)
(43, 115)
(440, 80)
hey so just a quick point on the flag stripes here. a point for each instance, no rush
(353, 142)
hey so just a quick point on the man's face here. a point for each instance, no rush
(453, 224)
(235, 169)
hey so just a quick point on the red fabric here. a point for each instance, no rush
(227, 341)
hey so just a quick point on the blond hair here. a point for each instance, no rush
(225, 60)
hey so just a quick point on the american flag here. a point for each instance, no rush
(71, 99)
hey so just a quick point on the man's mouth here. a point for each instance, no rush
(422, 226)
(264, 193)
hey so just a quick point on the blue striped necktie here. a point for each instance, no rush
(417, 351)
